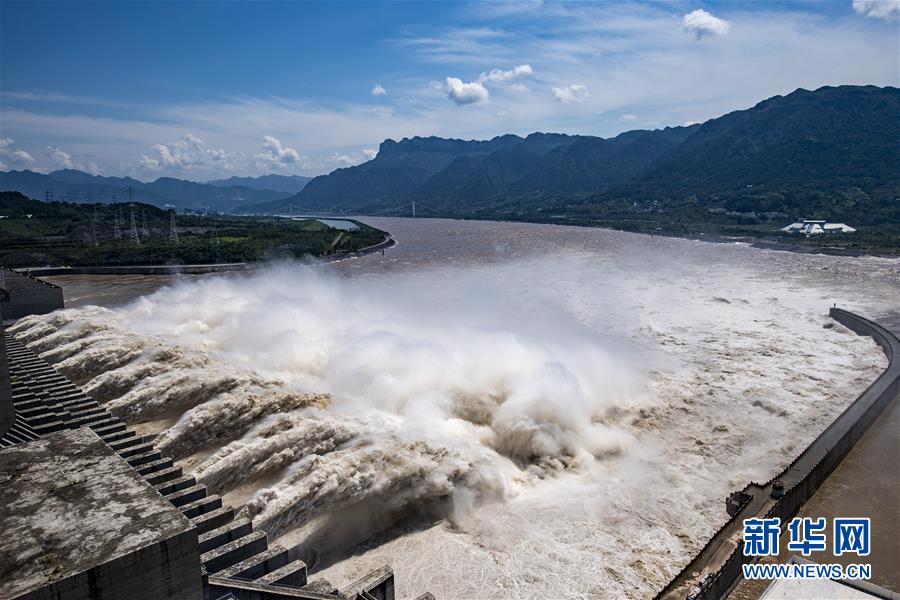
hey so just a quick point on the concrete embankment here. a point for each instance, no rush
(717, 567)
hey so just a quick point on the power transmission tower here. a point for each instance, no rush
(117, 229)
(144, 231)
(414, 209)
(133, 234)
(94, 227)
(130, 194)
(48, 195)
(173, 232)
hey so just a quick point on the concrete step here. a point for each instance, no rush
(154, 466)
(187, 495)
(225, 534)
(177, 484)
(201, 506)
(109, 424)
(45, 428)
(87, 411)
(257, 565)
(38, 417)
(121, 445)
(233, 552)
(29, 402)
(135, 450)
(65, 397)
(79, 405)
(165, 475)
(91, 420)
(208, 521)
(293, 574)
(136, 460)
(116, 436)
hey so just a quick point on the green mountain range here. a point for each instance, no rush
(80, 187)
(832, 153)
(290, 184)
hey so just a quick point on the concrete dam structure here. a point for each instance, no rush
(717, 568)
(90, 509)
(21, 294)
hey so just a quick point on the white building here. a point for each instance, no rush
(811, 227)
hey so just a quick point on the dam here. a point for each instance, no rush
(171, 538)
(793, 332)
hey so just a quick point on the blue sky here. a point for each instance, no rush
(205, 90)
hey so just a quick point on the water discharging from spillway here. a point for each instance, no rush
(569, 422)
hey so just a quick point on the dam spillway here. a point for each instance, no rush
(193, 544)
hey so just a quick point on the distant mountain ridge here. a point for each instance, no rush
(290, 184)
(78, 186)
(833, 150)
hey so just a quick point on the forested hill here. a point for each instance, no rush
(80, 187)
(831, 152)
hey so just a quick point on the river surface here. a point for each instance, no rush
(497, 410)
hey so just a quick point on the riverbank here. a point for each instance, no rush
(196, 269)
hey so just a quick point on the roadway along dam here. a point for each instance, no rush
(494, 409)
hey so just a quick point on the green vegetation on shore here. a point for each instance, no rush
(34, 233)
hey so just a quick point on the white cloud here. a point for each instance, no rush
(466, 93)
(689, 123)
(276, 155)
(889, 10)
(63, 160)
(572, 93)
(378, 90)
(343, 159)
(370, 153)
(701, 24)
(10, 157)
(499, 75)
(629, 117)
(60, 158)
(187, 154)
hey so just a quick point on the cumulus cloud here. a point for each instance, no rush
(629, 117)
(702, 23)
(59, 158)
(571, 93)
(188, 153)
(889, 10)
(378, 90)
(63, 160)
(370, 153)
(466, 93)
(10, 157)
(499, 75)
(276, 155)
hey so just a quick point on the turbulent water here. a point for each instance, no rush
(497, 410)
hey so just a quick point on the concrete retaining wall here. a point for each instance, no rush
(804, 476)
(28, 295)
(169, 569)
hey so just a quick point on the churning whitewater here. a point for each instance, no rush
(562, 420)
